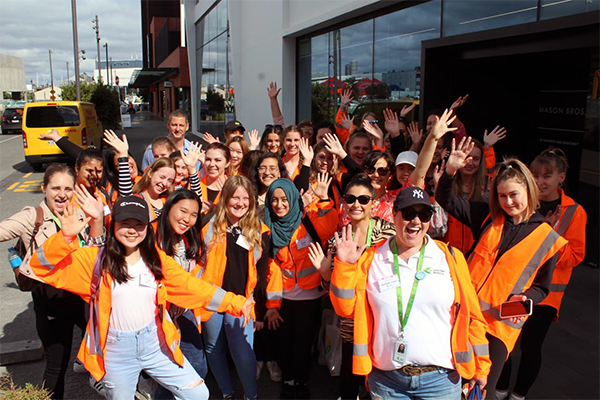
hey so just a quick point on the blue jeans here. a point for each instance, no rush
(439, 384)
(222, 330)
(128, 353)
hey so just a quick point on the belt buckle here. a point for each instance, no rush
(415, 370)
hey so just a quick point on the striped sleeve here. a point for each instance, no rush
(125, 182)
(195, 184)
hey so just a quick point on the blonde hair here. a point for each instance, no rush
(512, 168)
(250, 223)
(144, 182)
(479, 179)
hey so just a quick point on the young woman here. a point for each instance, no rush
(568, 219)
(237, 261)
(217, 161)
(238, 147)
(89, 169)
(379, 167)
(411, 343)
(292, 231)
(515, 249)
(271, 139)
(266, 169)
(56, 311)
(358, 146)
(248, 161)
(128, 283)
(314, 162)
(162, 147)
(291, 145)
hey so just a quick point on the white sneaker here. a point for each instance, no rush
(501, 394)
(78, 367)
(259, 367)
(274, 371)
(98, 386)
(145, 388)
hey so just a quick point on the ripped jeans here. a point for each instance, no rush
(128, 353)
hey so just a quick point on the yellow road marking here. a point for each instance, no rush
(11, 187)
(27, 175)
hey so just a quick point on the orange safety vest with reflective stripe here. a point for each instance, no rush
(348, 293)
(67, 267)
(571, 226)
(293, 260)
(216, 260)
(204, 188)
(274, 285)
(513, 273)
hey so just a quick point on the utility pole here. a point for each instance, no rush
(96, 28)
(76, 48)
(67, 72)
(112, 78)
(107, 73)
(51, 77)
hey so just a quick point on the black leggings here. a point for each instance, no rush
(56, 313)
(349, 383)
(498, 355)
(532, 337)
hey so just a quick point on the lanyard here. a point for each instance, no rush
(57, 222)
(419, 275)
(369, 233)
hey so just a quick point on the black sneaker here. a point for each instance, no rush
(287, 392)
(302, 391)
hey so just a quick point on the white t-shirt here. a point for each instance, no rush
(428, 331)
(134, 302)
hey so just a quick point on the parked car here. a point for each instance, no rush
(12, 120)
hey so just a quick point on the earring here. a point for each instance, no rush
(560, 184)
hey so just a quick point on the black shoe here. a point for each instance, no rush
(302, 391)
(287, 392)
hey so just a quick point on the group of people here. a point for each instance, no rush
(414, 238)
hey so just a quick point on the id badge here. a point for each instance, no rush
(400, 351)
(242, 242)
(147, 280)
(304, 242)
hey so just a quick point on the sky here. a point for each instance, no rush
(29, 28)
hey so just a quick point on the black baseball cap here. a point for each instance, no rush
(234, 126)
(411, 196)
(131, 207)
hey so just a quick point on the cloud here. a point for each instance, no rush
(31, 27)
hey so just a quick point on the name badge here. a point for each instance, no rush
(106, 210)
(242, 242)
(400, 353)
(388, 283)
(147, 280)
(304, 242)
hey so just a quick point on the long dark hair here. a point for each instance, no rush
(168, 239)
(254, 169)
(114, 256)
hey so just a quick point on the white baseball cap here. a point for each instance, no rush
(407, 157)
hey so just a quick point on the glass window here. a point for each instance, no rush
(52, 117)
(560, 8)
(464, 16)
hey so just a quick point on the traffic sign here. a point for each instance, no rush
(52, 97)
(117, 80)
(53, 91)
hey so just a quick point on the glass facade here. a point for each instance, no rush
(213, 71)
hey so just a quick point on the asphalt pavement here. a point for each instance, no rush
(570, 367)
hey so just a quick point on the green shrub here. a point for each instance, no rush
(10, 391)
(107, 105)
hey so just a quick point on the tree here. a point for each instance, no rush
(69, 92)
(215, 102)
(107, 105)
(320, 103)
(380, 91)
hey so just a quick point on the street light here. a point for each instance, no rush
(51, 76)
(96, 28)
(107, 73)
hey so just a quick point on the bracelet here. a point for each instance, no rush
(97, 241)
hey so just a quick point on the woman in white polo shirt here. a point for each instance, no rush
(418, 328)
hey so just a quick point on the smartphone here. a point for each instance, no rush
(510, 309)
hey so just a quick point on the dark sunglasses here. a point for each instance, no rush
(381, 171)
(409, 213)
(362, 199)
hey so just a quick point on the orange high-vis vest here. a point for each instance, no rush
(204, 188)
(216, 261)
(571, 226)
(274, 285)
(513, 273)
(65, 266)
(348, 293)
(293, 260)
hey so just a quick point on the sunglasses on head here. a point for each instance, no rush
(362, 199)
(381, 171)
(409, 213)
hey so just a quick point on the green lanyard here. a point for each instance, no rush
(57, 222)
(419, 275)
(369, 232)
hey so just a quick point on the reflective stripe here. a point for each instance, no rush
(464, 356)
(565, 221)
(216, 300)
(303, 273)
(273, 296)
(42, 259)
(481, 349)
(558, 287)
(91, 341)
(200, 272)
(257, 252)
(535, 261)
(346, 294)
(361, 350)
(495, 314)
(288, 273)
(210, 231)
(323, 212)
(198, 320)
(174, 345)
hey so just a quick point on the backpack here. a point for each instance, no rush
(25, 283)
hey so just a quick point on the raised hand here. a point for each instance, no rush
(254, 139)
(346, 97)
(318, 258)
(334, 146)
(272, 90)
(494, 136)
(90, 204)
(247, 310)
(459, 102)
(392, 124)
(415, 134)
(348, 249)
(308, 197)
(50, 135)
(437, 173)
(442, 124)
(120, 145)
(554, 216)
(323, 182)
(202, 156)
(307, 152)
(70, 223)
(210, 139)
(191, 158)
(219, 183)
(347, 122)
(273, 318)
(406, 109)
(459, 156)
(374, 131)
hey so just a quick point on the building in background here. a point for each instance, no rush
(12, 76)
(121, 69)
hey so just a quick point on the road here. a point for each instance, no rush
(571, 360)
